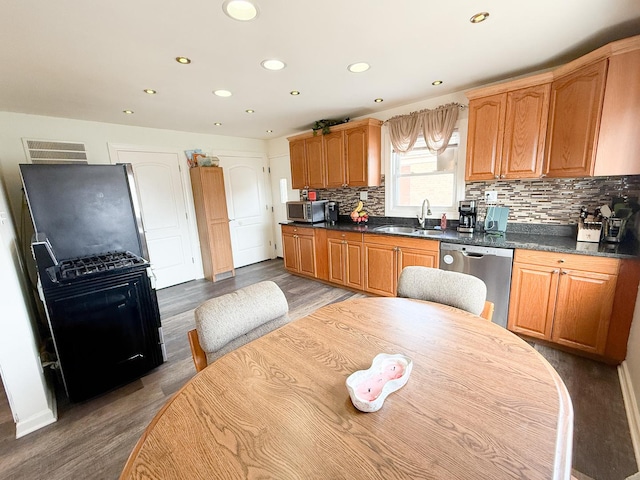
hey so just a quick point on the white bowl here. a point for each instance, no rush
(369, 388)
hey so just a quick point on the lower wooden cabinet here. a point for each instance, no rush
(566, 299)
(344, 250)
(298, 245)
(386, 256)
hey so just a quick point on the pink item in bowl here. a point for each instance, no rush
(369, 388)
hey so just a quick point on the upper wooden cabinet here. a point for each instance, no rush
(574, 117)
(307, 164)
(582, 119)
(348, 156)
(507, 130)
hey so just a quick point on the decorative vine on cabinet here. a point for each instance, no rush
(348, 156)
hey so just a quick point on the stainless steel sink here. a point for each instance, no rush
(404, 230)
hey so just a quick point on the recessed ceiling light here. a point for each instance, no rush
(359, 67)
(217, 124)
(128, 112)
(150, 91)
(183, 60)
(273, 64)
(294, 92)
(479, 17)
(379, 100)
(241, 10)
(437, 82)
(222, 93)
(269, 131)
(249, 110)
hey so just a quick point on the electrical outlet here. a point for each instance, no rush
(491, 196)
(364, 195)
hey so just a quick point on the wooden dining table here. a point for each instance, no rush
(479, 403)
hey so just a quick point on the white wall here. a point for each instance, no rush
(31, 400)
(630, 378)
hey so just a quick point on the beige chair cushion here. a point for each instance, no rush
(441, 286)
(224, 323)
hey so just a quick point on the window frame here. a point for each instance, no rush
(392, 210)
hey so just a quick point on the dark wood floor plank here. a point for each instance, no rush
(93, 439)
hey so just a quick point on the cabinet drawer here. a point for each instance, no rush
(295, 229)
(397, 241)
(348, 236)
(568, 261)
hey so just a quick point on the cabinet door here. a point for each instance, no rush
(315, 162)
(220, 238)
(290, 251)
(583, 310)
(574, 117)
(411, 257)
(297, 159)
(485, 137)
(533, 298)
(307, 255)
(215, 202)
(524, 132)
(619, 138)
(357, 150)
(354, 268)
(336, 254)
(334, 155)
(380, 267)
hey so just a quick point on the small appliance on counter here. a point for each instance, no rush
(589, 229)
(496, 219)
(306, 211)
(614, 220)
(467, 210)
(331, 209)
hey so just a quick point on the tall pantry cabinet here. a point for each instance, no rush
(213, 221)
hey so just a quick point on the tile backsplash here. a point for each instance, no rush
(549, 201)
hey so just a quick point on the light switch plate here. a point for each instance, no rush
(364, 195)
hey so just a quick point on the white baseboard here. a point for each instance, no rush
(631, 406)
(39, 420)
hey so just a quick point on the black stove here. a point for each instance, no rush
(95, 264)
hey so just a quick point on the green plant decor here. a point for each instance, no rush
(325, 125)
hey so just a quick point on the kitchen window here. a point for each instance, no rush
(420, 174)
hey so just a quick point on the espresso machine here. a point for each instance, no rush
(467, 211)
(331, 212)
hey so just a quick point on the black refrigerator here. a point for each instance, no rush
(94, 275)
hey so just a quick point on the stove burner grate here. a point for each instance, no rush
(93, 264)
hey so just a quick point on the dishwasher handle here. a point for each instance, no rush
(473, 254)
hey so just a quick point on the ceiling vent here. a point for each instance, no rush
(46, 151)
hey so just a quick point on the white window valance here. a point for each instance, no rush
(435, 125)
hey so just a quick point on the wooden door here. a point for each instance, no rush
(298, 162)
(290, 251)
(334, 159)
(222, 256)
(354, 271)
(410, 257)
(337, 259)
(525, 131)
(357, 150)
(533, 299)
(583, 310)
(315, 162)
(574, 118)
(307, 254)
(380, 267)
(619, 138)
(485, 137)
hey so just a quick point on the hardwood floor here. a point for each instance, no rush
(93, 439)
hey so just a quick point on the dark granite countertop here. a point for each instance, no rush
(545, 238)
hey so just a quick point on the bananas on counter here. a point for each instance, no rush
(359, 215)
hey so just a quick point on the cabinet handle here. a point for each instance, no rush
(561, 260)
(543, 175)
(556, 271)
(563, 272)
(497, 176)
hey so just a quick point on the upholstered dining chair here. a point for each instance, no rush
(455, 289)
(229, 321)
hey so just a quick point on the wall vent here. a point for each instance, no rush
(47, 151)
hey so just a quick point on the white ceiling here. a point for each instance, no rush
(91, 60)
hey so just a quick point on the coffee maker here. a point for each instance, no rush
(331, 212)
(467, 210)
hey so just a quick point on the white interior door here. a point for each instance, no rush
(164, 214)
(249, 205)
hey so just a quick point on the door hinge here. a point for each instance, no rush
(269, 169)
(269, 242)
(272, 208)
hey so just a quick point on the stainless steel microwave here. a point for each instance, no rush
(306, 211)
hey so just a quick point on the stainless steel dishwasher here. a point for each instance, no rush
(492, 265)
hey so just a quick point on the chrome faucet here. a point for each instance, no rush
(423, 218)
